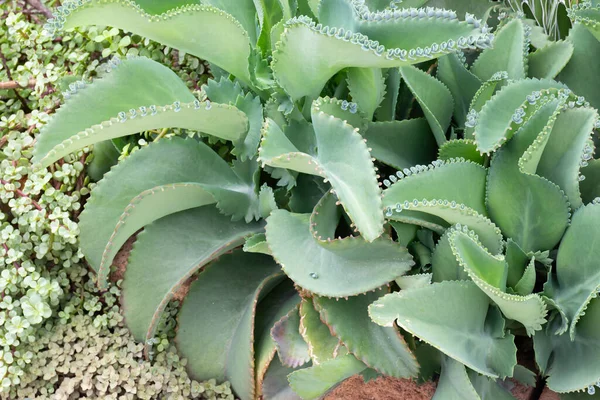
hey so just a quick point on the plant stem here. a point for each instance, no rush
(161, 134)
(21, 194)
(37, 4)
(15, 85)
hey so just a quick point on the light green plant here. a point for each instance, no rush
(45, 285)
(469, 238)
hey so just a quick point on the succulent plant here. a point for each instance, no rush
(395, 174)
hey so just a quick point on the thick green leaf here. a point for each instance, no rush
(489, 272)
(276, 385)
(495, 124)
(401, 144)
(394, 42)
(322, 345)
(588, 15)
(271, 309)
(461, 82)
(225, 44)
(387, 109)
(437, 181)
(451, 316)
(454, 383)
(243, 11)
(381, 348)
(481, 97)
(314, 382)
(590, 187)
(166, 254)
(145, 187)
(461, 148)
(105, 156)
(108, 108)
(584, 66)
(336, 268)
(367, 88)
(257, 243)
(571, 364)
(217, 337)
(343, 157)
(291, 347)
(577, 276)
(569, 145)
(526, 284)
(434, 98)
(538, 209)
(548, 61)
(508, 53)
(414, 281)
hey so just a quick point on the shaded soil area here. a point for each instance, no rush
(382, 388)
(385, 388)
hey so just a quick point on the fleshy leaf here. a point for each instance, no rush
(142, 180)
(540, 209)
(291, 347)
(367, 88)
(461, 148)
(401, 144)
(361, 42)
(336, 268)
(361, 200)
(458, 383)
(276, 385)
(436, 181)
(454, 383)
(322, 345)
(387, 108)
(451, 316)
(584, 65)
(314, 382)
(460, 81)
(588, 15)
(568, 146)
(577, 276)
(226, 44)
(108, 108)
(548, 61)
(271, 309)
(380, 348)
(434, 98)
(571, 363)
(495, 120)
(214, 346)
(508, 53)
(414, 281)
(166, 254)
(489, 272)
(482, 96)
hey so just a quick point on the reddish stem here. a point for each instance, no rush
(21, 194)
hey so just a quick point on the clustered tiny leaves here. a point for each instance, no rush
(54, 321)
(395, 173)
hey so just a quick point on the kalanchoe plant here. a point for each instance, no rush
(414, 170)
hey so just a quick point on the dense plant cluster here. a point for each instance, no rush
(415, 198)
(60, 337)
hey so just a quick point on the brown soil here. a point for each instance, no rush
(385, 388)
(120, 261)
(382, 388)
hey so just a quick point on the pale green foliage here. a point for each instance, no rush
(470, 239)
(49, 309)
